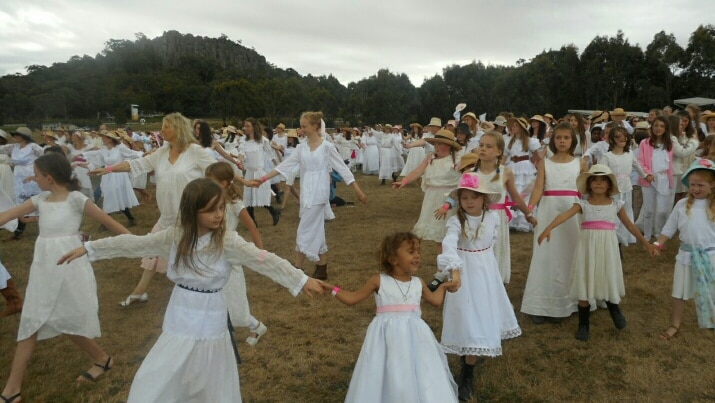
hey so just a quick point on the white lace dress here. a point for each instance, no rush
(116, 186)
(478, 316)
(400, 359)
(254, 161)
(524, 177)
(193, 360)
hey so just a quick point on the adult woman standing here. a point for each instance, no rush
(22, 156)
(179, 161)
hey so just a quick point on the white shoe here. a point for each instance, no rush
(260, 331)
(134, 298)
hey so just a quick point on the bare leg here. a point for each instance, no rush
(23, 353)
(299, 260)
(144, 282)
(675, 319)
(98, 355)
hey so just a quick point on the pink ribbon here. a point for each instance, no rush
(602, 225)
(398, 308)
(469, 181)
(562, 193)
(504, 206)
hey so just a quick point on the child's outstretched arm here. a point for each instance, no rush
(652, 249)
(16, 212)
(560, 219)
(94, 212)
(414, 174)
(372, 285)
(435, 298)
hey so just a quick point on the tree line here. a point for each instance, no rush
(218, 77)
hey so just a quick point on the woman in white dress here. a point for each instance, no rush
(193, 359)
(371, 153)
(415, 154)
(80, 164)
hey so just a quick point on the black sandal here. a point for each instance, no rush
(10, 399)
(104, 367)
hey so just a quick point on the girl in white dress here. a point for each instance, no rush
(623, 162)
(546, 293)
(7, 182)
(193, 359)
(289, 177)
(315, 159)
(80, 165)
(400, 360)
(58, 299)
(22, 156)
(235, 290)
(440, 177)
(252, 156)
(522, 157)
(479, 314)
(416, 154)
(597, 271)
(116, 186)
(694, 219)
(370, 154)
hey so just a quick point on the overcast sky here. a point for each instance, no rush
(352, 39)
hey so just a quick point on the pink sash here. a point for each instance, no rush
(504, 206)
(562, 193)
(603, 225)
(398, 308)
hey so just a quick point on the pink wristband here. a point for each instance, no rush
(263, 179)
(446, 206)
(335, 291)
(110, 169)
(405, 181)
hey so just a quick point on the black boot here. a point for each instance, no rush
(618, 319)
(584, 313)
(466, 381)
(275, 213)
(394, 176)
(382, 182)
(321, 272)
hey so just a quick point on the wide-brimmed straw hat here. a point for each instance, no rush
(4, 135)
(446, 137)
(618, 112)
(522, 122)
(472, 181)
(500, 121)
(281, 126)
(413, 125)
(467, 160)
(110, 134)
(538, 118)
(548, 115)
(24, 132)
(697, 165)
(471, 115)
(292, 133)
(435, 122)
(50, 133)
(707, 115)
(599, 116)
(642, 125)
(597, 170)
(231, 129)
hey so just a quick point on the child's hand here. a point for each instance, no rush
(399, 185)
(361, 196)
(72, 255)
(313, 286)
(327, 287)
(452, 286)
(253, 183)
(545, 235)
(652, 249)
(532, 220)
(440, 213)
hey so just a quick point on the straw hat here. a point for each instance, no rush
(232, 129)
(293, 133)
(452, 123)
(435, 122)
(698, 164)
(538, 118)
(472, 181)
(471, 115)
(413, 125)
(281, 126)
(599, 116)
(500, 121)
(548, 115)
(467, 160)
(597, 170)
(707, 115)
(124, 135)
(618, 112)
(50, 133)
(4, 135)
(446, 137)
(111, 135)
(521, 121)
(642, 125)
(23, 132)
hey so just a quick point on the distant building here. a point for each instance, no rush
(57, 126)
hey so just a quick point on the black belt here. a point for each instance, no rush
(186, 287)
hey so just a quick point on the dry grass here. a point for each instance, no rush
(312, 345)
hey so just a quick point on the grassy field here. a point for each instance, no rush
(312, 344)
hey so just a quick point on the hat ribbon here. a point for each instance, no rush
(469, 181)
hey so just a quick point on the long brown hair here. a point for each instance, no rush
(199, 195)
(667, 141)
(222, 171)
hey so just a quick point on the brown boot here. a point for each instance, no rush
(321, 272)
(12, 296)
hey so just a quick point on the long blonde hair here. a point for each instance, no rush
(710, 177)
(199, 194)
(499, 140)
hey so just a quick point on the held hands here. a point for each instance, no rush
(532, 220)
(653, 250)
(649, 178)
(253, 183)
(314, 286)
(72, 255)
(99, 172)
(400, 184)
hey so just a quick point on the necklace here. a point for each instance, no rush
(404, 294)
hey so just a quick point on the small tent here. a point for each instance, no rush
(699, 101)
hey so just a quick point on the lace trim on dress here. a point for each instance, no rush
(485, 352)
